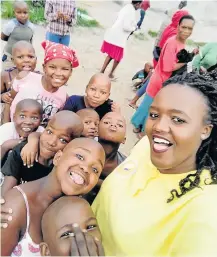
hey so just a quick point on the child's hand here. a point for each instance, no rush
(6, 215)
(22, 74)
(6, 98)
(60, 15)
(67, 18)
(84, 244)
(11, 143)
(115, 107)
(29, 154)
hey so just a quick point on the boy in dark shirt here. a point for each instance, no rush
(112, 133)
(61, 129)
(97, 97)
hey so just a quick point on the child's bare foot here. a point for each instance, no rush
(141, 135)
(132, 104)
(136, 130)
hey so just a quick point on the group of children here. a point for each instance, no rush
(53, 145)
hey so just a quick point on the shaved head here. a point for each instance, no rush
(22, 44)
(102, 79)
(87, 112)
(69, 120)
(26, 103)
(20, 4)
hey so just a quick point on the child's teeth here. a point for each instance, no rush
(161, 141)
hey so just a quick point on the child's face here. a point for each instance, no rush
(27, 120)
(57, 72)
(91, 125)
(22, 14)
(112, 127)
(58, 237)
(97, 93)
(79, 166)
(24, 59)
(148, 67)
(54, 138)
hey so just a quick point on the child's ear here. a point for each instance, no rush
(124, 141)
(57, 157)
(43, 65)
(44, 249)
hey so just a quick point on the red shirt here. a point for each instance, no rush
(145, 5)
(165, 65)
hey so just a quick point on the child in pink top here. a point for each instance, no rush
(48, 88)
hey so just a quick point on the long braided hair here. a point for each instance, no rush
(206, 157)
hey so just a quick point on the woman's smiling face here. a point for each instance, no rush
(176, 127)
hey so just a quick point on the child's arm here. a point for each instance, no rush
(13, 165)
(9, 183)
(3, 82)
(4, 37)
(115, 107)
(29, 153)
(10, 236)
(8, 145)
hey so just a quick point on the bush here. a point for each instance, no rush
(37, 14)
(152, 33)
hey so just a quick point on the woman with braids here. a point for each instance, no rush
(162, 200)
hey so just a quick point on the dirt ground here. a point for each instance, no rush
(87, 43)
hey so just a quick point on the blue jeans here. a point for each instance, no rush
(142, 16)
(142, 89)
(64, 40)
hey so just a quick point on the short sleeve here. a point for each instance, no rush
(197, 237)
(13, 164)
(6, 132)
(8, 28)
(74, 103)
(31, 26)
(40, 129)
(169, 56)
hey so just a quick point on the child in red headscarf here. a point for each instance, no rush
(48, 89)
(169, 31)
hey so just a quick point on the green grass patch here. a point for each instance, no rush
(36, 14)
(140, 36)
(152, 33)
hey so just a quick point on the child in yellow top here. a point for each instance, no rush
(162, 200)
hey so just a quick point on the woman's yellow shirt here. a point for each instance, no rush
(136, 220)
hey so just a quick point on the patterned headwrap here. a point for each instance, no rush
(55, 50)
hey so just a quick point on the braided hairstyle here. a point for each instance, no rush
(206, 157)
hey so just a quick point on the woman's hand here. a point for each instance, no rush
(29, 154)
(85, 245)
(115, 107)
(196, 51)
(6, 98)
(6, 214)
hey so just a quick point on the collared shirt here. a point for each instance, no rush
(59, 26)
(135, 219)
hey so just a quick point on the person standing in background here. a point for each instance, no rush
(116, 37)
(144, 7)
(17, 29)
(60, 15)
